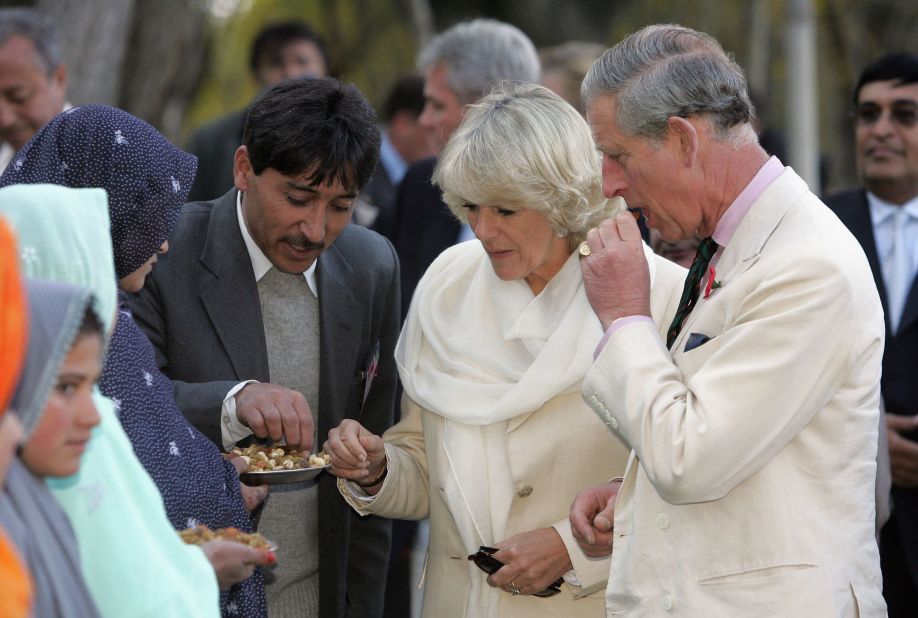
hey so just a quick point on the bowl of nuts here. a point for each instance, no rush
(276, 463)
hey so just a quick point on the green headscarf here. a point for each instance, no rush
(63, 236)
(133, 561)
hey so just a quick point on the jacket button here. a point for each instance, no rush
(524, 491)
(662, 521)
(667, 602)
(612, 422)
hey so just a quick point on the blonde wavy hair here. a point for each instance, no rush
(523, 146)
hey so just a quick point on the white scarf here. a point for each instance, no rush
(480, 351)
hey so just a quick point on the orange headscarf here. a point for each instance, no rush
(15, 584)
(13, 317)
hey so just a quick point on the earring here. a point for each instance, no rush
(561, 234)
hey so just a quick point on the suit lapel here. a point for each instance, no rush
(856, 217)
(340, 317)
(910, 312)
(231, 301)
(750, 237)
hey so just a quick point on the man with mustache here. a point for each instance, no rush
(883, 216)
(271, 311)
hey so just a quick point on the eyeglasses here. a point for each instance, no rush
(489, 564)
(902, 113)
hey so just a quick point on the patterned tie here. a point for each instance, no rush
(692, 289)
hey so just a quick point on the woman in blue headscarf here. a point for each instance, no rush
(147, 179)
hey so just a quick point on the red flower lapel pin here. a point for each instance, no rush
(713, 283)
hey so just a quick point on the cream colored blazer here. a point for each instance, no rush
(553, 453)
(750, 491)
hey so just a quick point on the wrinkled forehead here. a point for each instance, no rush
(602, 116)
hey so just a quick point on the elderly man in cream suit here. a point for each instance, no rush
(754, 427)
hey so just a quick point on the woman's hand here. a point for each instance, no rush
(356, 454)
(532, 561)
(251, 496)
(234, 562)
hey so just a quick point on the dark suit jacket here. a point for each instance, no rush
(380, 194)
(215, 146)
(899, 383)
(424, 226)
(202, 313)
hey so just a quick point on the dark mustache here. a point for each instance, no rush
(304, 242)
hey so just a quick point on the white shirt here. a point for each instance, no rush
(883, 216)
(231, 430)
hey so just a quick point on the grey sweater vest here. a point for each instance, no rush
(290, 315)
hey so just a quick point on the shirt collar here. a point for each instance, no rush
(260, 262)
(881, 210)
(730, 220)
(391, 160)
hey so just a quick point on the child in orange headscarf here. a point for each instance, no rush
(15, 584)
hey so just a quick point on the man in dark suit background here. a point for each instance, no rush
(404, 141)
(282, 50)
(459, 67)
(272, 310)
(883, 215)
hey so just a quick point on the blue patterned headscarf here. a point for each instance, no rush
(147, 178)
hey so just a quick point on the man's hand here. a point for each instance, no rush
(615, 275)
(591, 518)
(234, 562)
(276, 412)
(532, 561)
(903, 452)
(356, 453)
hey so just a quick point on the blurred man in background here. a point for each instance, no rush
(564, 67)
(281, 51)
(883, 216)
(404, 141)
(459, 65)
(33, 78)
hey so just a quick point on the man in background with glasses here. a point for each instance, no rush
(883, 216)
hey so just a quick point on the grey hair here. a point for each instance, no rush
(36, 27)
(523, 146)
(668, 70)
(478, 53)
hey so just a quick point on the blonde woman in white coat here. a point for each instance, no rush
(495, 438)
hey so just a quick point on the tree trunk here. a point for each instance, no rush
(164, 60)
(94, 35)
(144, 57)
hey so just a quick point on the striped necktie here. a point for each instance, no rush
(692, 289)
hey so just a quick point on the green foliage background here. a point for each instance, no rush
(368, 41)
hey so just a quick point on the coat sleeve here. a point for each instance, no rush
(592, 573)
(201, 403)
(404, 494)
(742, 395)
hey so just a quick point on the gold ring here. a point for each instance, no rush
(513, 589)
(584, 249)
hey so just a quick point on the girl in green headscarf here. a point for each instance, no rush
(133, 561)
(54, 403)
